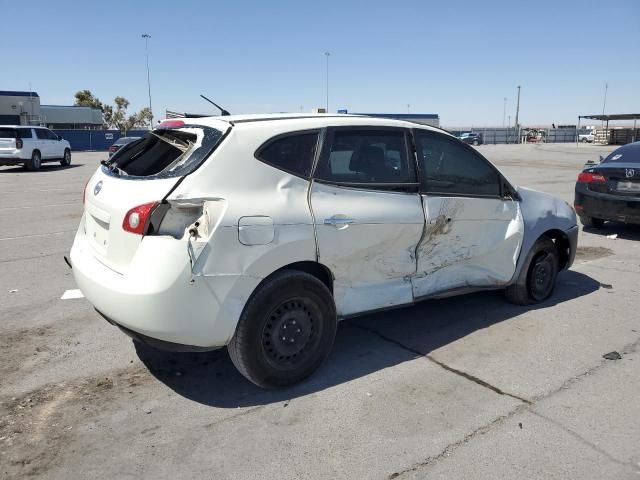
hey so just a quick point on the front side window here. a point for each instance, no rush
(292, 153)
(366, 156)
(449, 167)
(51, 135)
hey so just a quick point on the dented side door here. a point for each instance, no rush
(367, 231)
(471, 239)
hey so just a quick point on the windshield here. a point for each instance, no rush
(626, 154)
(164, 153)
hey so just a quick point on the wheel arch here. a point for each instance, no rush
(563, 246)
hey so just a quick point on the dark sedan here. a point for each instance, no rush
(121, 142)
(611, 189)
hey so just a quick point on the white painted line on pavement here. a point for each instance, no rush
(71, 294)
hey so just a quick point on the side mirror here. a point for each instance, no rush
(601, 158)
(59, 137)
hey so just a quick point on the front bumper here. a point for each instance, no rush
(605, 206)
(155, 299)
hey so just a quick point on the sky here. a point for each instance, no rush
(457, 59)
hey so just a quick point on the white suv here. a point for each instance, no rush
(32, 146)
(260, 232)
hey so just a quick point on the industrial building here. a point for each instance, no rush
(432, 119)
(24, 108)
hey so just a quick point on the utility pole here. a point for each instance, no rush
(146, 37)
(509, 130)
(326, 54)
(504, 111)
(604, 103)
(517, 124)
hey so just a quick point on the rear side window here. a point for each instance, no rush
(447, 166)
(291, 153)
(627, 154)
(367, 157)
(165, 152)
(8, 133)
(24, 133)
(42, 134)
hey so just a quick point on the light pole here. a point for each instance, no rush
(604, 102)
(504, 111)
(517, 125)
(326, 54)
(146, 37)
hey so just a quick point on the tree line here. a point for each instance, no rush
(115, 116)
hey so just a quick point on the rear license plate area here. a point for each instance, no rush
(628, 187)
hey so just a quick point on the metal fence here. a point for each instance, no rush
(510, 135)
(95, 139)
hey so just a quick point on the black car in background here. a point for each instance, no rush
(121, 142)
(611, 189)
(471, 138)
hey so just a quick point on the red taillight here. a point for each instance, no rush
(84, 192)
(19, 143)
(135, 221)
(113, 148)
(586, 177)
(171, 124)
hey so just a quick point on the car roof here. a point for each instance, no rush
(20, 126)
(308, 120)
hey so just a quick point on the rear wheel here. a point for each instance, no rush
(538, 277)
(591, 222)
(66, 159)
(34, 162)
(286, 330)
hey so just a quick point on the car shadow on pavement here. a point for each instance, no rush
(363, 346)
(45, 167)
(623, 231)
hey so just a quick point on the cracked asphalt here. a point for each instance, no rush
(465, 387)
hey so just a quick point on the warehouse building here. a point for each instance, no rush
(432, 119)
(19, 108)
(71, 116)
(24, 108)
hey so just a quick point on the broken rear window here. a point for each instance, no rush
(165, 152)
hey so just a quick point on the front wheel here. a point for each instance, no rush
(475, 143)
(66, 159)
(538, 276)
(286, 330)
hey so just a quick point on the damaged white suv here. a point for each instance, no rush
(260, 232)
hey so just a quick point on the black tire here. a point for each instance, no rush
(34, 162)
(538, 276)
(66, 159)
(590, 222)
(261, 348)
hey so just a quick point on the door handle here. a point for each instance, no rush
(338, 221)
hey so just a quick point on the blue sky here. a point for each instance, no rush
(457, 59)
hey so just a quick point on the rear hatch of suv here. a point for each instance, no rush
(8, 137)
(138, 178)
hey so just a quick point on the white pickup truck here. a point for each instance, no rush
(587, 137)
